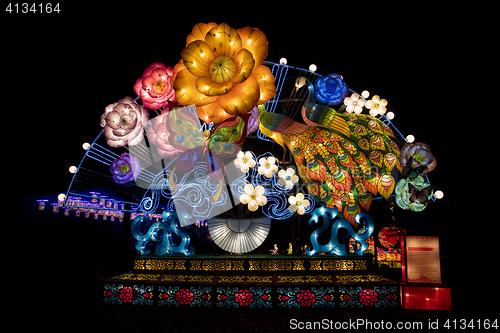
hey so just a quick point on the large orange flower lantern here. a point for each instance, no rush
(221, 71)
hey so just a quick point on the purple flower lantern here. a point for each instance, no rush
(125, 169)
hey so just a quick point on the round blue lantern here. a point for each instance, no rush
(330, 89)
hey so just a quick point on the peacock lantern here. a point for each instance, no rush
(344, 159)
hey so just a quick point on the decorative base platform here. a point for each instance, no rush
(252, 281)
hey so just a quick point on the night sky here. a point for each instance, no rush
(63, 72)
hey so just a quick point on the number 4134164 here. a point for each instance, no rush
(24, 8)
(481, 324)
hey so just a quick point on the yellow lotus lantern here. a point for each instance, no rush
(221, 71)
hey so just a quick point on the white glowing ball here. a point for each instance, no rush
(283, 61)
(61, 197)
(439, 194)
(313, 68)
(86, 146)
(365, 94)
(72, 169)
(410, 138)
(390, 115)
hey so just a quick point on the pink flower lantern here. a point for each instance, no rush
(154, 87)
(159, 134)
(123, 123)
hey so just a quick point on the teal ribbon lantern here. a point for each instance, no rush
(334, 246)
(160, 235)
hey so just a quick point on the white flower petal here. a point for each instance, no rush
(271, 160)
(300, 196)
(305, 203)
(253, 206)
(282, 174)
(261, 200)
(301, 210)
(259, 190)
(262, 161)
(292, 200)
(245, 198)
(290, 171)
(240, 155)
(292, 208)
(251, 163)
(244, 168)
(289, 184)
(249, 189)
(248, 155)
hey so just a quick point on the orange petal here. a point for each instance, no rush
(212, 112)
(265, 79)
(245, 63)
(242, 98)
(197, 57)
(208, 87)
(223, 40)
(177, 68)
(185, 90)
(199, 31)
(254, 41)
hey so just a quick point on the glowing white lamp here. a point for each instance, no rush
(410, 138)
(313, 68)
(283, 61)
(439, 194)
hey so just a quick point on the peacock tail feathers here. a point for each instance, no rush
(343, 159)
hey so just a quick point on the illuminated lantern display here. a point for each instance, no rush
(158, 134)
(239, 235)
(125, 169)
(254, 197)
(244, 161)
(354, 103)
(298, 204)
(376, 105)
(199, 166)
(155, 88)
(221, 71)
(335, 154)
(330, 89)
(123, 122)
(420, 155)
(413, 194)
(389, 239)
